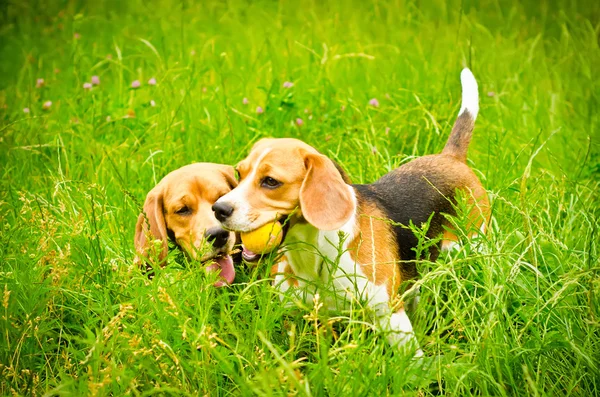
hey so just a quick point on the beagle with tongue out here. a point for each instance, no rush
(352, 241)
(179, 208)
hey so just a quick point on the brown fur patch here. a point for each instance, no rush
(448, 237)
(274, 270)
(374, 247)
(460, 137)
(477, 202)
(290, 275)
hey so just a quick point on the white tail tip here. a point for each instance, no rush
(470, 93)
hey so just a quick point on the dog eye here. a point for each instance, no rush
(270, 183)
(184, 211)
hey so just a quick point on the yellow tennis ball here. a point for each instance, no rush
(264, 239)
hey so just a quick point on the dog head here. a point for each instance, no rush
(179, 208)
(281, 176)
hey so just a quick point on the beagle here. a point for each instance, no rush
(353, 240)
(179, 208)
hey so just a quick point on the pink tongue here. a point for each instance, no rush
(225, 263)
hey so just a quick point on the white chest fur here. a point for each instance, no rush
(321, 262)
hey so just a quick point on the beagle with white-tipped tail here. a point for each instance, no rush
(288, 179)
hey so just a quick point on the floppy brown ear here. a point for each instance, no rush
(151, 226)
(229, 173)
(326, 200)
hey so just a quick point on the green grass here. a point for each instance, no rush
(519, 316)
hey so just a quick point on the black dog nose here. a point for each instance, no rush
(222, 211)
(217, 237)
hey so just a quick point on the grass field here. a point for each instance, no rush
(518, 316)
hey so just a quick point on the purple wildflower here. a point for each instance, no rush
(152, 81)
(47, 105)
(299, 122)
(374, 102)
(95, 80)
(135, 84)
(245, 101)
(26, 110)
(87, 86)
(288, 84)
(259, 110)
(39, 83)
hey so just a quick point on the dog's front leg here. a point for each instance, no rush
(399, 331)
(290, 284)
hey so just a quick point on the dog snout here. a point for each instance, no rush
(222, 211)
(217, 236)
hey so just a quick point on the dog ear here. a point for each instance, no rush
(326, 200)
(229, 173)
(150, 227)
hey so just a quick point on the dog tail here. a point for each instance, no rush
(458, 143)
